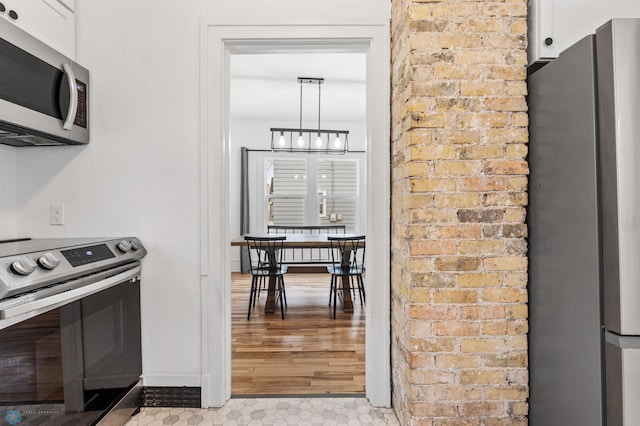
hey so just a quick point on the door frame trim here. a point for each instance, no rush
(218, 41)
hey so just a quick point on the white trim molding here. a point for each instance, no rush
(164, 379)
(219, 40)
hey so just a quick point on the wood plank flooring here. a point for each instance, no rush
(307, 353)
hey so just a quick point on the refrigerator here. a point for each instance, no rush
(584, 232)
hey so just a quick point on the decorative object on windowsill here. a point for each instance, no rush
(318, 140)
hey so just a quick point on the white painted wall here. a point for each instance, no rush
(139, 175)
(297, 12)
(8, 218)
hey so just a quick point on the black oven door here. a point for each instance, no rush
(74, 363)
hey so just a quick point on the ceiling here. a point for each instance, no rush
(265, 87)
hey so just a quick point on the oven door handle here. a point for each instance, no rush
(83, 287)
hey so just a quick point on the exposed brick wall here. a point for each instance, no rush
(459, 182)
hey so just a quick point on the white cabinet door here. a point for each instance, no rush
(47, 20)
(555, 25)
(70, 4)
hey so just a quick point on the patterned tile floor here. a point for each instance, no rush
(272, 411)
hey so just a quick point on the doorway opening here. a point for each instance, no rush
(220, 42)
(309, 352)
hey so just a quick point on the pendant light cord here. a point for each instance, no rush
(319, 103)
(301, 104)
(319, 87)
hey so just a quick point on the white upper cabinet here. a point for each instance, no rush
(555, 25)
(47, 20)
(70, 4)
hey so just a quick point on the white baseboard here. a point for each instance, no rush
(152, 379)
(235, 265)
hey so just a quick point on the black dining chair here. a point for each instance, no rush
(347, 255)
(265, 260)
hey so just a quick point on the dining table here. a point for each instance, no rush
(299, 241)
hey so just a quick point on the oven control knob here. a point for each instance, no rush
(124, 246)
(48, 261)
(135, 245)
(23, 266)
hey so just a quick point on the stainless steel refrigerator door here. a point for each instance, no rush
(618, 71)
(623, 380)
(565, 339)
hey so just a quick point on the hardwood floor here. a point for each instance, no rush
(307, 353)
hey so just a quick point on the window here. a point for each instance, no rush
(337, 181)
(286, 187)
(312, 191)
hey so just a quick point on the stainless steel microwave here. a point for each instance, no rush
(44, 95)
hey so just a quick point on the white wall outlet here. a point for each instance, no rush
(56, 214)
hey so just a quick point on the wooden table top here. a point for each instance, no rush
(298, 240)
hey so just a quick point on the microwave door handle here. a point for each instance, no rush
(73, 97)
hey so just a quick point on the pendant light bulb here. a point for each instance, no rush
(300, 140)
(337, 142)
(319, 141)
(281, 141)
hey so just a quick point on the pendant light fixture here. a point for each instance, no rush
(318, 140)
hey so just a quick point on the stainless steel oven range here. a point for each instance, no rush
(70, 350)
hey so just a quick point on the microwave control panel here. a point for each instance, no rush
(81, 114)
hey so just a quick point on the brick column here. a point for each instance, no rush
(459, 181)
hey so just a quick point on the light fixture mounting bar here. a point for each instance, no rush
(310, 80)
(282, 129)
